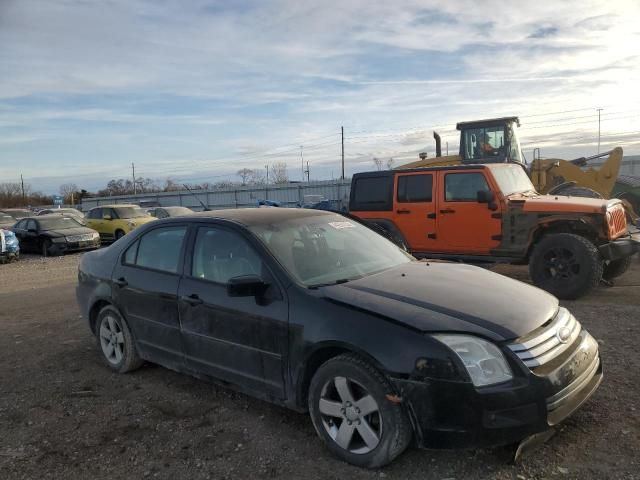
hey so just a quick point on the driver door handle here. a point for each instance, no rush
(447, 210)
(192, 299)
(403, 211)
(121, 282)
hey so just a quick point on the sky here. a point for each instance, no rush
(196, 90)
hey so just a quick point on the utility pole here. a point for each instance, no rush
(599, 110)
(133, 173)
(267, 167)
(447, 144)
(308, 181)
(302, 162)
(342, 135)
(22, 183)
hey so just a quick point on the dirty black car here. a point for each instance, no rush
(54, 235)
(314, 311)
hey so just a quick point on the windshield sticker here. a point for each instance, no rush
(341, 225)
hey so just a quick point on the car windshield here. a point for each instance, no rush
(329, 249)
(130, 212)
(175, 211)
(512, 179)
(58, 223)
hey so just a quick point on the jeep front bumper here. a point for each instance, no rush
(621, 248)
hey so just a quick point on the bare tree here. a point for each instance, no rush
(390, 163)
(278, 173)
(70, 192)
(256, 177)
(378, 163)
(11, 196)
(171, 186)
(244, 174)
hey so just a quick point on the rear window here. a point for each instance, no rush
(372, 193)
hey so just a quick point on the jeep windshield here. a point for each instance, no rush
(512, 179)
(326, 250)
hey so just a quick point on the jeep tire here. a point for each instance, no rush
(566, 265)
(615, 268)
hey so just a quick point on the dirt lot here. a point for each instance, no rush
(64, 415)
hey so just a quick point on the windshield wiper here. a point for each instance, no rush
(334, 282)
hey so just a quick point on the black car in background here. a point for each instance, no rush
(68, 212)
(164, 212)
(54, 235)
(315, 311)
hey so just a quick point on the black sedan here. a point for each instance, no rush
(54, 235)
(316, 312)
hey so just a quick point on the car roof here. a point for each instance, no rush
(116, 205)
(257, 216)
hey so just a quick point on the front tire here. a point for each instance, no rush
(616, 268)
(566, 265)
(46, 248)
(350, 411)
(119, 234)
(116, 342)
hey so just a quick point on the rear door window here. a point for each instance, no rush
(160, 249)
(415, 188)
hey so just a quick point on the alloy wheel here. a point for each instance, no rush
(561, 264)
(350, 415)
(112, 339)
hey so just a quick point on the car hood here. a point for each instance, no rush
(68, 232)
(562, 203)
(449, 297)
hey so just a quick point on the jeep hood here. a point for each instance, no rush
(561, 203)
(449, 297)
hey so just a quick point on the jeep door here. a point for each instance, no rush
(415, 208)
(465, 225)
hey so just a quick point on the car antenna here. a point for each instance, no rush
(204, 207)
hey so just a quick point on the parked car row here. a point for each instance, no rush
(55, 231)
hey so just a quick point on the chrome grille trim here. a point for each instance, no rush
(546, 345)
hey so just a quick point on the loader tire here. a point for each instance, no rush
(616, 268)
(566, 265)
(579, 192)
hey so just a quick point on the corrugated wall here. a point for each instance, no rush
(289, 195)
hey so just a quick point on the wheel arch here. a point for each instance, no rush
(317, 357)
(576, 226)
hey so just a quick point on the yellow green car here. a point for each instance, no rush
(115, 221)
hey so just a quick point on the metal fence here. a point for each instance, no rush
(287, 195)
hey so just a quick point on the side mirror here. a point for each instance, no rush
(484, 196)
(106, 216)
(246, 286)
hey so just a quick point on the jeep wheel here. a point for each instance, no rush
(616, 268)
(351, 411)
(566, 265)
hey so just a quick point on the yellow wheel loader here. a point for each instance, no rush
(496, 141)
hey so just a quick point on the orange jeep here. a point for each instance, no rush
(492, 213)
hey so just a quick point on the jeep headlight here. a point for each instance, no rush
(484, 361)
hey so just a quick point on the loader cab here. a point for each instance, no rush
(490, 141)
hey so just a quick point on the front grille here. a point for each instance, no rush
(80, 238)
(545, 344)
(617, 221)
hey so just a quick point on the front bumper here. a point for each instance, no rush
(621, 248)
(448, 414)
(64, 247)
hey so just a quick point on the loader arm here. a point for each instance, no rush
(550, 172)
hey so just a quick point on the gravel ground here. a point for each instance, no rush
(64, 415)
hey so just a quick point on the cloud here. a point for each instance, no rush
(210, 85)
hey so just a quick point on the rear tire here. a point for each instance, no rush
(351, 412)
(566, 265)
(115, 341)
(616, 268)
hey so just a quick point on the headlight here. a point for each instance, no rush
(95, 236)
(59, 240)
(132, 224)
(483, 360)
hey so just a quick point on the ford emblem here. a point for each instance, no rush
(563, 334)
